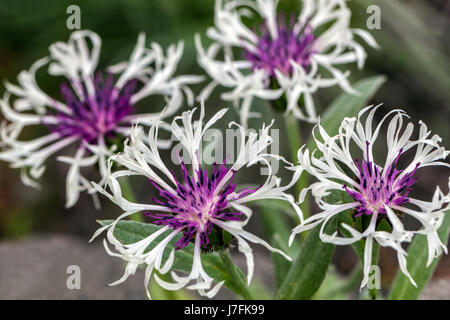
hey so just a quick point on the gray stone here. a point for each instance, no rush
(35, 268)
(438, 289)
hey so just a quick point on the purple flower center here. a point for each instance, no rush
(197, 203)
(96, 115)
(378, 187)
(277, 53)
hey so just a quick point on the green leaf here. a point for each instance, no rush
(235, 275)
(348, 105)
(129, 232)
(310, 266)
(402, 289)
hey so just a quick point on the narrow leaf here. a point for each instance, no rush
(310, 266)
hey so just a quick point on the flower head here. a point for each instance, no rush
(367, 189)
(275, 54)
(97, 108)
(197, 203)
(94, 116)
(378, 187)
(203, 209)
(282, 59)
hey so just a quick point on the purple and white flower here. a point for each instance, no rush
(292, 58)
(194, 205)
(94, 108)
(374, 190)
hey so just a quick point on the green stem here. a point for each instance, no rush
(295, 142)
(235, 276)
(309, 268)
(128, 194)
(293, 131)
(375, 254)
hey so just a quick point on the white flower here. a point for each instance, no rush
(95, 109)
(293, 60)
(375, 191)
(191, 209)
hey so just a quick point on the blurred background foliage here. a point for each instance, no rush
(414, 56)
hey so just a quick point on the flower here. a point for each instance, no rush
(373, 191)
(280, 61)
(96, 111)
(195, 207)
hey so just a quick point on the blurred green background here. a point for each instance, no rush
(414, 55)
